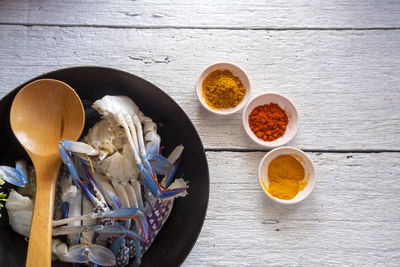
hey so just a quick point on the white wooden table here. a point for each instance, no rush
(339, 62)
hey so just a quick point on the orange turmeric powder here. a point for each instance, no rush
(286, 177)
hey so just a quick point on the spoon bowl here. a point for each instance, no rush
(42, 113)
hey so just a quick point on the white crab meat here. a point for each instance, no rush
(179, 183)
(58, 249)
(148, 125)
(106, 138)
(20, 211)
(120, 167)
(68, 190)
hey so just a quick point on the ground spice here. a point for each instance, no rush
(223, 90)
(268, 122)
(285, 177)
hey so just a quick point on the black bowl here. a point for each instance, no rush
(180, 232)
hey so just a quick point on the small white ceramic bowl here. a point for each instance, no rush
(305, 162)
(286, 105)
(236, 71)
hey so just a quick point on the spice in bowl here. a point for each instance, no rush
(285, 177)
(221, 89)
(268, 122)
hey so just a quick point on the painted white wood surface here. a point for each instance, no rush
(339, 62)
(350, 219)
(346, 84)
(205, 13)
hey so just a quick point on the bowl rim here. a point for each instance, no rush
(240, 106)
(269, 144)
(44, 75)
(312, 182)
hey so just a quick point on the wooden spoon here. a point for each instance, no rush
(42, 113)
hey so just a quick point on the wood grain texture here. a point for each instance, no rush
(351, 218)
(338, 61)
(345, 84)
(223, 14)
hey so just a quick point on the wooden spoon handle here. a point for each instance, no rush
(39, 249)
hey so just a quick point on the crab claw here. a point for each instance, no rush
(13, 176)
(101, 255)
(79, 147)
(76, 254)
(118, 230)
(84, 253)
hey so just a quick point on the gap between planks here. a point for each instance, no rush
(255, 28)
(285, 220)
(358, 151)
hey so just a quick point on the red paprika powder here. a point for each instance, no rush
(268, 122)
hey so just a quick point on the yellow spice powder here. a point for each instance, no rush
(286, 177)
(222, 90)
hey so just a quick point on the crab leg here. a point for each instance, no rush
(175, 158)
(138, 194)
(67, 159)
(118, 230)
(132, 202)
(67, 230)
(133, 132)
(106, 189)
(148, 177)
(123, 196)
(75, 209)
(119, 214)
(89, 189)
(87, 207)
(151, 181)
(157, 190)
(159, 164)
(142, 150)
(136, 227)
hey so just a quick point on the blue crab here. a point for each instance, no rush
(141, 191)
(116, 168)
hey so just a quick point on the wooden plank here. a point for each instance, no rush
(345, 84)
(248, 243)
(349, 187)
(351, 218)
(208, 13)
